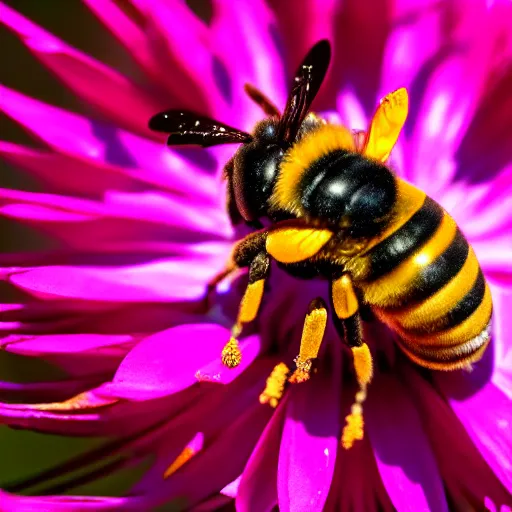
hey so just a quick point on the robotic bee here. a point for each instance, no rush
(336, 211)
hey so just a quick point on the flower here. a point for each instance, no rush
(108, 320)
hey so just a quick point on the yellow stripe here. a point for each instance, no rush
(459, 334)
(445, 365)
(297, 161)
(432, 312)
(390, 289)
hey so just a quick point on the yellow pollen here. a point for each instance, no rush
(180, 460)
(275, 385)
(363, 364)
(354, 428)
(302, 372)
(312, 335)
(231, 353)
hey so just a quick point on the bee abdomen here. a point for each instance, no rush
(424, 281)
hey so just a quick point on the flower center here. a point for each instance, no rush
(312, 335)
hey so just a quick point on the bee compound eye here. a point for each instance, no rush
(255, 173)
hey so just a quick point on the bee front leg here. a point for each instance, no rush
(250, 252)
(346, 308)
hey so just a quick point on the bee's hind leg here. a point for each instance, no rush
(348, 322)
(250, 252)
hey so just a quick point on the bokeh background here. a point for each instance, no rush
(23, 452)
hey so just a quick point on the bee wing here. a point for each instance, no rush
(186, 127)
(307, 82)
(386, 125)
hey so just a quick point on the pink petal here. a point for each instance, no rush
(12, 503)
(160, 366)
(197, 481)
(310, 441)
(176, 33)
(474, 478)
(490, 431)
(164, 280)
(258, 487)
(129, 33)
(215, 371)
(117, 96)
(107, 147)
(402, 451)
(300, 29)
(247, 49)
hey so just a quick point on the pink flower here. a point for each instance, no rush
(113, 307)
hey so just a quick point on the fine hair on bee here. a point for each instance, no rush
(335, 210)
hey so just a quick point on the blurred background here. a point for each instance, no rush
(24, 452)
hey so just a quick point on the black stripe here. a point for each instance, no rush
(468, 304)
(442, 270)
(395, 249)
(352, 330)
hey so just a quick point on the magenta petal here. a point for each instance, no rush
(131, 35)
(12, 503)
(490, 431)
(113, 93)
(310, 442)
(167, 362)
(215, 371)
(402, 451)
(168, 280)
(109, 147)
(257, 491)
(248, 50)
(175, 34)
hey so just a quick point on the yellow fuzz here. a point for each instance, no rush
(363, 364)
(386, 125)
(354, 428)
(180, 460)
(251, 302)
(231, 353)
(293, 244)
(275, 385)
(312, 335)
(344, 298)
(313, 146)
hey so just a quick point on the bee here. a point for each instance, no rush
(334, 210)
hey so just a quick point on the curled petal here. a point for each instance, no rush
(168, 362)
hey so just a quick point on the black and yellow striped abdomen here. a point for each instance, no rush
(423, 279)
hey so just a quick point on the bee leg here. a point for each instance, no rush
(346, 308)
(259, 268)
(312, 335)
(311, 340)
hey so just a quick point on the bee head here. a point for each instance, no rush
(255, 170)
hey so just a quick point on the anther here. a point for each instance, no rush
(312, 335)
(363, 366)
(275, 385)
(231, 353)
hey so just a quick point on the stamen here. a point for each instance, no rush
(275, 385)
(312, 335)
(231, 353)
(363, 365)
(188, 452)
